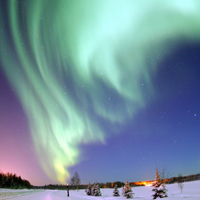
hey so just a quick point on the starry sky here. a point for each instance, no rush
(109, 89)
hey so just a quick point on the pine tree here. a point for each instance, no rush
(116, 191)
(159, 187)
(88, 190)
(127, 192)
(96, 190)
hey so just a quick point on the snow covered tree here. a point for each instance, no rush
(159, 187)
(126, 191)
(88, 190)
(96, 190)
(116, 191)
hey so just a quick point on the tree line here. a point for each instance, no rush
(13, 181)
(81, 186)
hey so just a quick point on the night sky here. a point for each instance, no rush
(107, 88)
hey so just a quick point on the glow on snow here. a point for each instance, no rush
(68, 56)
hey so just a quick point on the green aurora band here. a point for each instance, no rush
(67, 59)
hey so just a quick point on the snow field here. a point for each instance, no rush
(10, 193)
(191, 190)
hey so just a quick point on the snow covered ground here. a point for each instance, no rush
(191, 190)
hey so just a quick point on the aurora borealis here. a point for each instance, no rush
(89, 72)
